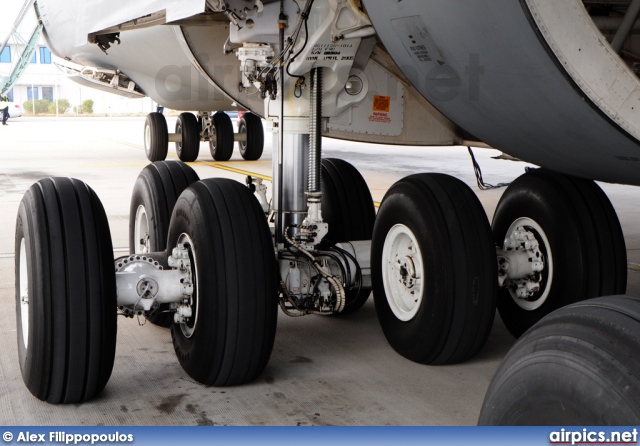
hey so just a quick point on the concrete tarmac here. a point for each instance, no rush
(323, 371)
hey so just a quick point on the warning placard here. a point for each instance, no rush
(380, 117)
(382, 104)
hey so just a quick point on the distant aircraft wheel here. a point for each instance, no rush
(156, 137)
(221, 143)
(348, 208)
(580, 239)
(434, 268)
(154, 196)
(187, 126)
(65, 292)
(251, 125)
(229, 337)
(577, 366)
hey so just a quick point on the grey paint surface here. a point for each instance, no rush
(490, 73)
(151, 57)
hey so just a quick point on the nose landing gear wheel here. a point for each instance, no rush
(65, 292)
(221, 143)
(433, 270)
(577, 367)
(578, 231)
(154, 196)
(229, 337)
(187, 127)
(156, 137)
(251, 125)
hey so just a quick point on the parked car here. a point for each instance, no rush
(15, 110)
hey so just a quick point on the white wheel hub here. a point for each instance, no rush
(147, 137)
(402, 272)
(526, 264)
(184, 258)
(141, 232)
(24, 294)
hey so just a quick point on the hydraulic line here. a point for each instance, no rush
(282, 24)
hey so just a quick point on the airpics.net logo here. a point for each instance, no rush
(586, 436)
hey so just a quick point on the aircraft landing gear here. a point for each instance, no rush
(227, 335)
(156, 137)
(154, 196)
(189, 146)
(250, 129)
(217, 129)
(561, 243)
(65, 292)
(579, 365)
(433, 270)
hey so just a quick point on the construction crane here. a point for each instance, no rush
(25, 49)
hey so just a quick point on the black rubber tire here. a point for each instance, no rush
(189, 148)
(236, 298)
(577, 366)
(252, 126)
(456, 313)
(585, 238)
(156, 141)
(72, 309)
(348, 207)
(221, 144)
(157, 189)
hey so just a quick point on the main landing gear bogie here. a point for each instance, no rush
(155, 194)
(203, 262)
(216, 129)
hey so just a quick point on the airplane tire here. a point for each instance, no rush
(229, 338)
(154, 196)
(221, 144)
(581, 237)
(65, 292)
(577, 366)
(189, 148)
(156, 137)
(348, 207)
(252, 149)
(434, 270)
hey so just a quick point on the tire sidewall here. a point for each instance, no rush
(548, 210)
(199, 344)
(426, 325)
(141, 197)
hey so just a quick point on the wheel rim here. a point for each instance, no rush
(242, 129)
(540, 297)
(213, 141)
(24, 294)
(179, 132)
(141, 232)
(147, 137)
(403, 272)
(189, 327)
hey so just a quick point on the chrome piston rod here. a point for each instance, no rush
(315, 137)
